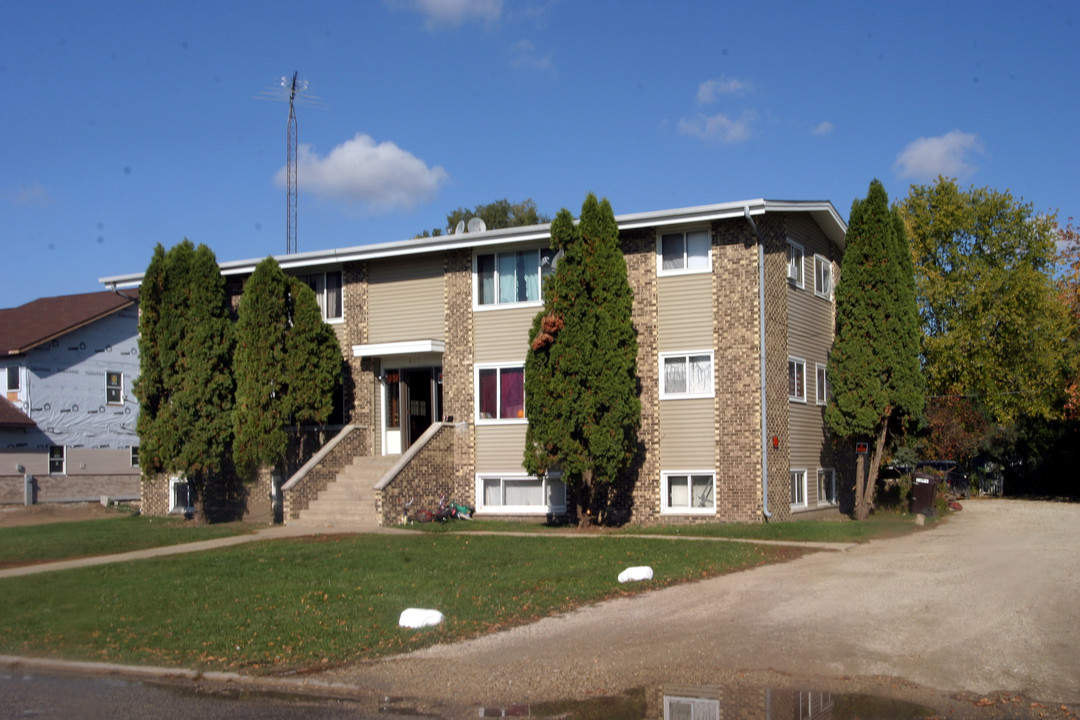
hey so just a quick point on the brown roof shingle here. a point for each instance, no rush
(27, 326)
(13, 417)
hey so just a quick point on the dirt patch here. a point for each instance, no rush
(18, 515)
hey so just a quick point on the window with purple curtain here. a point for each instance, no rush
(512, 393)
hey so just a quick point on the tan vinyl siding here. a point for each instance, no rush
(684, 312)
(810, 332)
(90, 461)
(405, 299)
(502, 335)
(686, 434)
(500, 448)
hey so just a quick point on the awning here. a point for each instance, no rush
(408, 347)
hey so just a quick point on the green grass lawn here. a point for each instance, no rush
(66, 540)
(275, 605)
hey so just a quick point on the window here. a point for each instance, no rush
(822, 277)
(114, 387)
(796, 380)
(798, 488)
(795, 264)
(683, 252)
(510, 277)
(522, 493)
(500, 393)
(822, 385)
(393, 399)
(327, 287)
(688, 492)
(14, 379)
(181, 496)
(686, 375)
(57, 460)
(826, 486)
(691, 708)
(134, 456)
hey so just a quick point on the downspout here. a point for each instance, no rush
(761, 342)
(112, 286)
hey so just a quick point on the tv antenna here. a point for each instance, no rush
(292, 90)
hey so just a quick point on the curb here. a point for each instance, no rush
(79, 668)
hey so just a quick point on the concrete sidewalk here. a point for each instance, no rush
(272, 532)
(275, 532)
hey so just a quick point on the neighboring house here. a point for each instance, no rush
(435, 331)
(68, 416)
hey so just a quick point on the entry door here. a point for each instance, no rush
(417, 403)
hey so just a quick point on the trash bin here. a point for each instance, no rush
(923, 490)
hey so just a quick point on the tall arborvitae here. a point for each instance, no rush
(288, 366)
(313, 360)
(204, 393)
(260, 415)
(185, 347)
(581, 384)
(150, 388)
(875, 381)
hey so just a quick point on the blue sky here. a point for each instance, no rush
(127, 124)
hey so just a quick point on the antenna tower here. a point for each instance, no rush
(295, 91)
(290, 166)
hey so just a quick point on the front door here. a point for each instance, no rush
(414, 399)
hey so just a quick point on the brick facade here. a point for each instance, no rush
(353, 441)
(427, 477)
(458, 379)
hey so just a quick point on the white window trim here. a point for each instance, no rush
(482, 509)
(119, 402)
(830, 474)
(660, 233)
(799, 282)
(322, 300)
(821, 383)
(133, 456)
(826, 293)
(477, 307)
(665, 509)
(665, 395)
(802, 363)
(791, 472)
(62, 459)
(476, 394)
(18, 375)
(173, 508)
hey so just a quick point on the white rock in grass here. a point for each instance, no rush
(418, 618)
(636, 574)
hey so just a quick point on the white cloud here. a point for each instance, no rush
(719, 127)
(441, 14)
(710, 90)
(823, 128)
(525, 55)
(32, 195)
(928, 157)
(380, 176)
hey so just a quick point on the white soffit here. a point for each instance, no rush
(408, 347)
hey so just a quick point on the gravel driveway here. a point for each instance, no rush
(987, 601)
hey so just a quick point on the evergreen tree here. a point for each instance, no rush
(187, 341)
(150, 388)
(581, 385)
(260, 415)
(288, 366)
(875, 380)
(313, 360)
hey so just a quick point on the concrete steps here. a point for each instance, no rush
(349, 501)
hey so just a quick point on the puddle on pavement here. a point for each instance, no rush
(683, 702)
